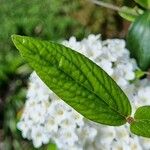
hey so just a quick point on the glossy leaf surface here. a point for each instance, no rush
(141, 125)
(129, 13)
(76, 79)
(144, 3)
(138, 40)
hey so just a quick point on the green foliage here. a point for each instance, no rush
(77, 80)
(32, 18)
(144, 3)
(37, 19)
(138, 40)
(141, 125)
(82, 84)
(139, 74)
(51, 147)
(48, 20)
(13, 103)
(129, 13)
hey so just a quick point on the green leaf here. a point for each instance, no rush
(141, 125)
(77, 80)
(138, 40)
(129, 13)
(139, 74)
(143, 3)
(51, 146)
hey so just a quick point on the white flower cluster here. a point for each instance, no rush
(47, 118)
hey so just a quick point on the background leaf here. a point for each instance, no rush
(141, 125)
(139, 74)
(77, 80)
(129, 13)
(51, 146)
(138, 40)
(144, 3)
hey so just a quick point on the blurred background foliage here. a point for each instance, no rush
(51, 20)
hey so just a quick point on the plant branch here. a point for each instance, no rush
(106, 5)
(113, 7)
(130, 120)
(148, 73)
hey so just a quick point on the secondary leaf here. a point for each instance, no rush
(51, 146)
(138, 40)
(141, 125)
(144, 3)
(129, 13)
(77, 80)
(139, 74)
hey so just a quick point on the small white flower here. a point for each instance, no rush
(93, 46)
(122, 134)
(119, 145)
(38, 136)
(144, 95)
(121, 81)
(77, 118)
(145, 142)
(66, 137)
(106, 137)
(25, 127)
(134, 144)
(51, 125)
(87, 134)
(58, 110)
(106, 65)
(68, 124)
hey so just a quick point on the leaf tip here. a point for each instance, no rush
(18, 40)
(14, 37)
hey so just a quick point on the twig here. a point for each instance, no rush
(130, 120)
(106, 5)
(148, 73)
(113, 7)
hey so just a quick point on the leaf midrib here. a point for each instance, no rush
(73, 78)
(89, 81)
